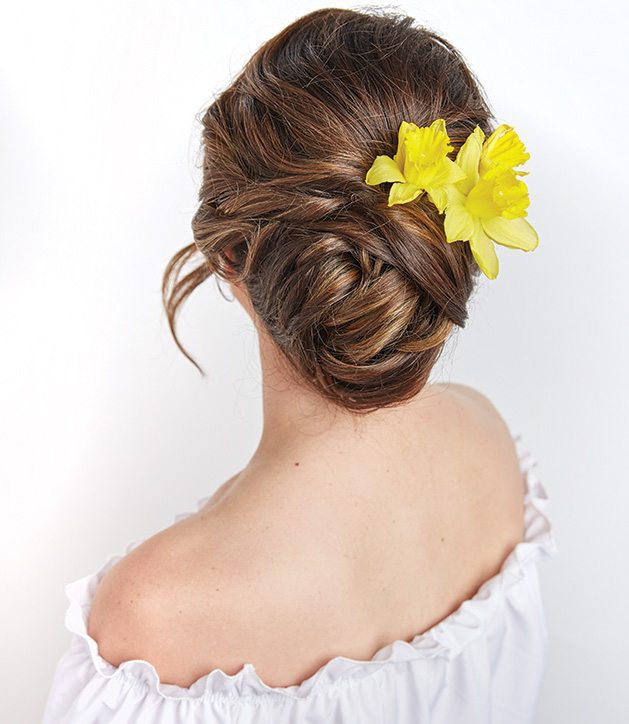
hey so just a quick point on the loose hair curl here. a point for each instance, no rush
(358, 297)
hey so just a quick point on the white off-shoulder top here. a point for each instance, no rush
(483, 663)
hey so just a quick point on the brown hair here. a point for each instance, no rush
(359, 297)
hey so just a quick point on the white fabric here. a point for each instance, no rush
(483, 663)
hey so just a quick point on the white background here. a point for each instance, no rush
(107, 431)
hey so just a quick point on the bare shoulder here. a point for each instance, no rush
(470, 394)
(477, 412)
(142, 604)
(193, 599)
(138, 607)
(488, 456)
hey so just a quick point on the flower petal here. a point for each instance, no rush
(459, 224)
(400, 154)
(402, 193)
(514, 233)
(484, 252)
(455, 195)
(447, 172)
(439, 126)
(438, 196)
(468, 159)
(383, 170)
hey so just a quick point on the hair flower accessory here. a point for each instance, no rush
(481, 193)
(420, 164)
(489, 204)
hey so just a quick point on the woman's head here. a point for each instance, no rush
(359, 297)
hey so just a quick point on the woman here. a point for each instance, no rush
(372, 562)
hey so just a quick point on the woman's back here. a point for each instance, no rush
(338, 553)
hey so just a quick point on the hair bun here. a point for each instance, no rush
(359, 297)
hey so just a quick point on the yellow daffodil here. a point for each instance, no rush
(420, 164)
(489, 204)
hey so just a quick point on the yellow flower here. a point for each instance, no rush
(503, 147)
(489, 204)
(420, 164)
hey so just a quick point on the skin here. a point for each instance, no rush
(341, 535)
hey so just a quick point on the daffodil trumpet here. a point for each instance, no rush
(481, 194)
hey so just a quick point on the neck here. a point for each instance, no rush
(301, 425)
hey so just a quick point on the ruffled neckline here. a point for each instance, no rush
(445, 639)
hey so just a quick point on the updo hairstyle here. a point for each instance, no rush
(357, 296)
